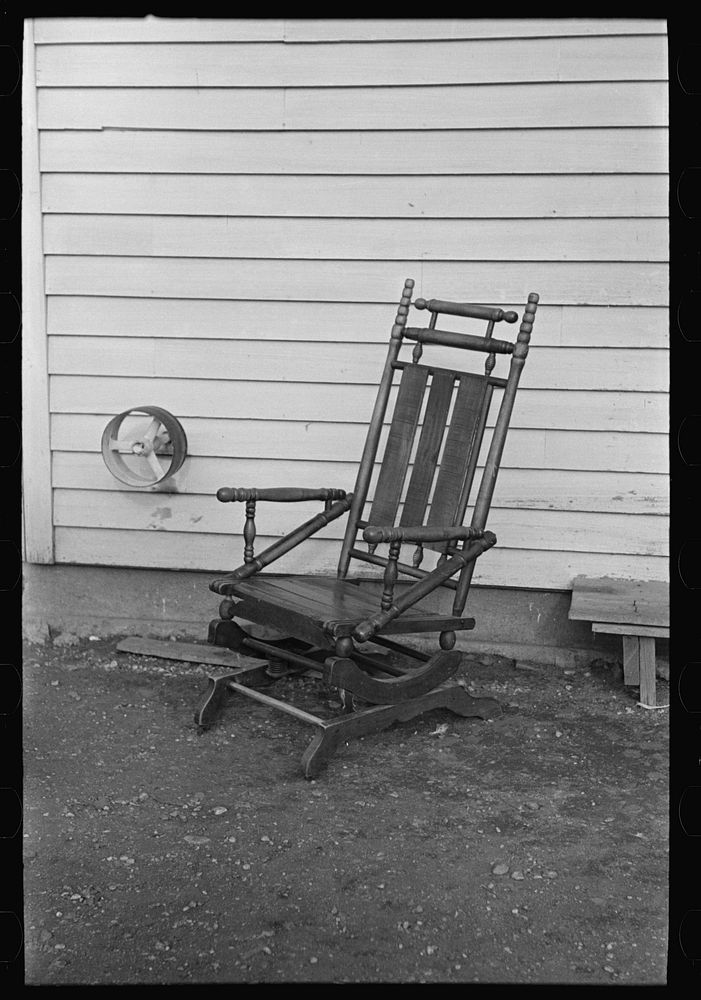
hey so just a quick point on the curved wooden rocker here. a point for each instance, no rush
(334, 628)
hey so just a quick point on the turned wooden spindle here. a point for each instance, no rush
(373, 439)
(249, 531)
(418, 556)
(489, 364)
(390, 577)
(496, 447)
(467, 309)
(418, 350)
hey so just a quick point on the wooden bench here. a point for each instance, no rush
(636, 610)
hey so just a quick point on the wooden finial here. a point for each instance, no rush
(403, 310)
(524, 333)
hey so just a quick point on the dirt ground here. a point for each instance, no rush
(528, 849)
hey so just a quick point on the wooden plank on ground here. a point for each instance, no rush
(187, 652)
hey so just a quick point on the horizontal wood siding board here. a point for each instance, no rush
(459, 151)
(532, 489)
(207, 319)
(292, 440)
(277, 64)
(642, 370)
(543, 105)
(567, 283)
(307, 30)
(342, 406)
(60, 30)
(180, 550)
(551, 529)
(358, 239)
(403, 196)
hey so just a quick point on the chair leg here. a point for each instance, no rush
(322, 747)
(212, 701)
(215, 697)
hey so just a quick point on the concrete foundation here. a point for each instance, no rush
(529, 625)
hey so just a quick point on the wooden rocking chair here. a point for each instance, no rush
(328, 623)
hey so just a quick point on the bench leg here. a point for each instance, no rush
(631, 660)
(647, 671)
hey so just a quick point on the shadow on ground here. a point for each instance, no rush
(528, 849)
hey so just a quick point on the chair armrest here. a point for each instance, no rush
(374, 535)
(280, 494)
(253, 564)
(391, 608)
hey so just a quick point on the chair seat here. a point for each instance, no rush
(322, 609)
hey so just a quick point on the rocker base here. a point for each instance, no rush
(375, 719)
(350, 725)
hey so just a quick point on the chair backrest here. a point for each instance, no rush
(439, 420)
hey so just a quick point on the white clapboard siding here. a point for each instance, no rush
(289, 441)
(160, 29)
(358, 239)
(468, 197)
(216, 553)
(646, 413)
(231, 207)
(281, 361)
(389, 64)
(544, 150)
(505, 106)
(567, 283)
(532, 489)
(226, 319)
(543, 530)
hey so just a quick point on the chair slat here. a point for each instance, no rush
(459, 443)
(430, 440)
(399, 444)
